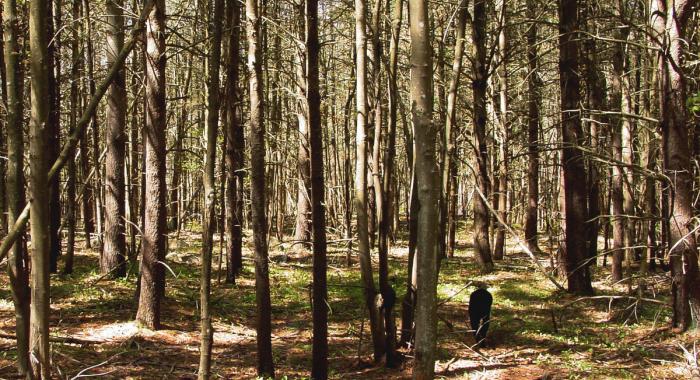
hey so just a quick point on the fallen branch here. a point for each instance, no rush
(72, 141)
(650, 300)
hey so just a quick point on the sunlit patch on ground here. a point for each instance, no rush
(533, 335)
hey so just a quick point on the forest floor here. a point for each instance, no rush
(537, 332)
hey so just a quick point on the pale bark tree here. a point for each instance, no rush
(360, 199)
(427, 182)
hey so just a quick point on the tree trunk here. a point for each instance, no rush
(257, 190)
(534, 85)
(313, 101)
(427, 176)
(233, 176)
(17, 262)
(502, 195)
(216, 7)
(480, 72)
(39, 130)
(54, 135)
(302, 230)
(71, 174)
(389, 199)
(154, 245)
(450, 134)
(360, 200)
(685, 285)
(96, 182)
(113, 255)
(575, 197)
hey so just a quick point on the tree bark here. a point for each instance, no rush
(234, 182)
(153, 246)
(502, 194)
(685, 285)
(427, 176)
(257, 190)
(216, 7)
(534, 85)
(389, 176)
(575, 195)
(360, 200)
(39, 130)
(114, 242)
(320, 292)
(18, 261)
(71, 172)
(479, 76)
(54, 134)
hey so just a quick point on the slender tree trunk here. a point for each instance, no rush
(389, 179)
(97, 180)
(481, 213)
(320, 292)
(257, 190)
(534, 85)
(302, 230)
(360, 200)
(71, 174)
(209, 218)
(113, 255)
(17, 261)
(575, 194)
(427, 176)
(451, 123)
(685, 285)
(595, 98)
(54, 135)
(215, 15)
(39, 130)
(154, 245)
(502, 195)
(233, 224)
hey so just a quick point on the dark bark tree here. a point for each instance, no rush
(389, 180)
(257, 189)
(71, 172)
(479, 79)
(319, 368)
(669, 21)
(427, 177)
(154, 245)
(39, 134)
(575, 194)
(114, 241)
(18, 261)
(534, 85)
(234, 147)
(54, 135)
(502, 176)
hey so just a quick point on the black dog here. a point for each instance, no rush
(480, 313)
